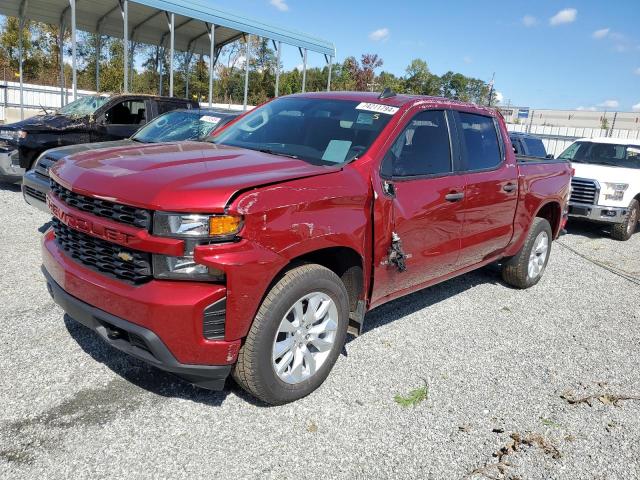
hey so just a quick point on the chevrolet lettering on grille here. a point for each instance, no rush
(89, 227)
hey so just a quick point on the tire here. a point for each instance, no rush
(623, 231)
(255, 370)
(516, 271)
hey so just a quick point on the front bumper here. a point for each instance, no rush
(9, 171)
(598, 213)
(167, 315)
(134, 340)
(34, 190)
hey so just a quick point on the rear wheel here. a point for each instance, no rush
(623, 231)
(526, 268)
(296, 336)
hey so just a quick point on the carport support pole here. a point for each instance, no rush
(20, 59)
(63, 93)
(304, 70)
(212, 45)
(279, 51)
(124, 5)
(329, 77)
(98, 49)
(73, 49)
(172, 43)
(247, 61)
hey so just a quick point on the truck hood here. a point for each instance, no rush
(181, 177)
(60, 152)
(606, 173)
(45, 123)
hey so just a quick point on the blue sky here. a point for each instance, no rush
(545, 53)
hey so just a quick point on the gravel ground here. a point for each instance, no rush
(497, 363)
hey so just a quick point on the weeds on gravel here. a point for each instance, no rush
(604, 398)
(498, 470)
(414, 397)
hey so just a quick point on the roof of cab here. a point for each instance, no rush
(612, 140)
(398, 100)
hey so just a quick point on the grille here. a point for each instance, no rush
(103, 256)
(583, 191)
(43, 166)
(137, 217)
(35, 193)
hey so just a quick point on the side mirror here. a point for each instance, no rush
(550, 156)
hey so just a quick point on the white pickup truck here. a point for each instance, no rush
(606, 185)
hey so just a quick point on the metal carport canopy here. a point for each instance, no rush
(189, 26)
(148, 24)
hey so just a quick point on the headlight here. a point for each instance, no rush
(184, 268)
(615, 191)
(8, 134)
(217, 227)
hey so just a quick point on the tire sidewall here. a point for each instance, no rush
(321, 280)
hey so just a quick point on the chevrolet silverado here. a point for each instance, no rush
(255, 254)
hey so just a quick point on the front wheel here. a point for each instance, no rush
(525, 269)
(623, 231)
(296, 337)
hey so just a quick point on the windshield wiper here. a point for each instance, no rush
(281, 154)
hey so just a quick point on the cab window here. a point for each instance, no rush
(423, 148)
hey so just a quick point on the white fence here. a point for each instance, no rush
(557, 139)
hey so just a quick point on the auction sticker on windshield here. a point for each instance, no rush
(376, 107)
(210, 119)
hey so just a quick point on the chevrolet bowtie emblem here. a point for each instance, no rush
(124, 256)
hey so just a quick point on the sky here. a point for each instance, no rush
(544, 53)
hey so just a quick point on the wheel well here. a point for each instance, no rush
(552, 213)
(344, 262)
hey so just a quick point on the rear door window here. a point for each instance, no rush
(535, 147)
(129, 112)
(423, 148)
(479, 141)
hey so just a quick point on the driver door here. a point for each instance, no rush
(421, 204)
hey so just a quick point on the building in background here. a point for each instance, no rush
(571, 118)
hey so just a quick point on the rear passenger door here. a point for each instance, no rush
(426, 200)
(491, 189)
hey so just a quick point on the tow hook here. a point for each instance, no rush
(396, 256)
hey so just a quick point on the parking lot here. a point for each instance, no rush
(542, 383)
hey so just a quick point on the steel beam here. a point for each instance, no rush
(247, 61)
(124, 8)
(330, 62)
(278, 48)
(172, 40)
(74, 66)
(211, 30)
(98, 51)
(303, 54)
(23, 7)
(63, 90)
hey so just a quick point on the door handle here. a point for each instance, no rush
(454, 197)
(510, 187)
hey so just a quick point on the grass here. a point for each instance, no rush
(414, 397)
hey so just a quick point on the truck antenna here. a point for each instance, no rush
(387, 93)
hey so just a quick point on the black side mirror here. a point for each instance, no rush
(550, 156)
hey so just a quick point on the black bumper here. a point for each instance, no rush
(135, 340)
(34, 189)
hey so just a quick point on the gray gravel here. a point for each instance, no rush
(496, 361)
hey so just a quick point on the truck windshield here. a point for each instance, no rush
(83, 106)
(317, 130)
(610, 154)
(179, 125)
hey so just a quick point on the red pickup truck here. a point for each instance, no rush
(255, 254)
